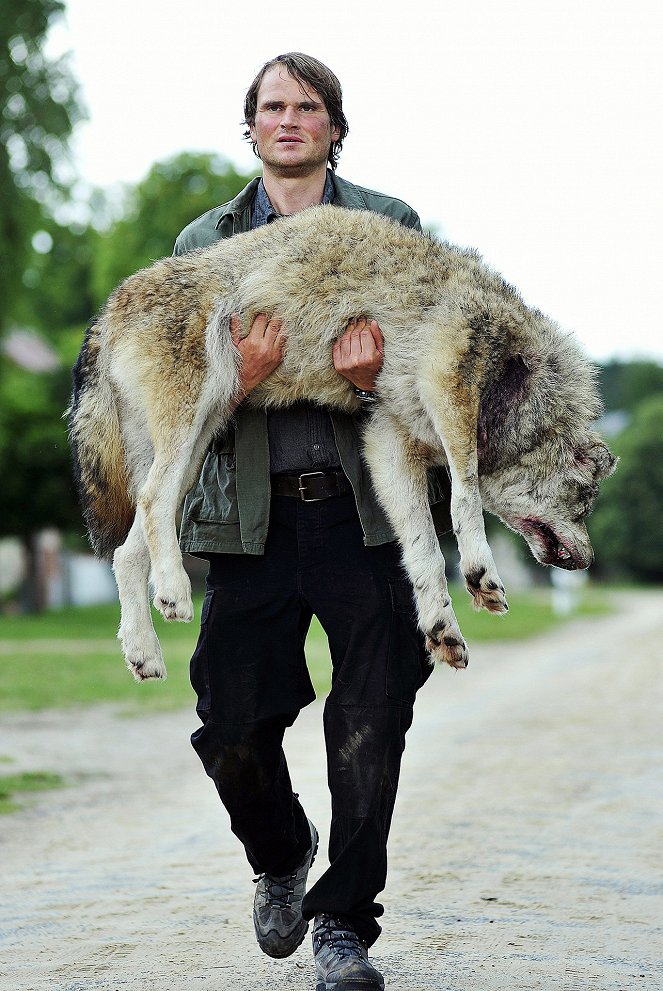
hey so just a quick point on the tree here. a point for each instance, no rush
(625, 527)
(624, 384)
(173, 193)
(38, 109)
(58, 279)
(35, 466)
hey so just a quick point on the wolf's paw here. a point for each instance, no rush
(144, 668)
(144, 662)
(486, 590)
(171, 607)
(172, 593)
(445, 643)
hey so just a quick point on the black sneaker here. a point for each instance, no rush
(341, 958)
(277, 907)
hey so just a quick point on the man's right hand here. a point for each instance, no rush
(261, 350)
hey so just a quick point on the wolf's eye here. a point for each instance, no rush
(584, 509)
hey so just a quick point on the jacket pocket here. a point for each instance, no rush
(214, 499)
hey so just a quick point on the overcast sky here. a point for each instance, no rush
(530, 129)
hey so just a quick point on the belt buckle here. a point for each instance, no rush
(302, 485)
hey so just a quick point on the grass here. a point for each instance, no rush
(70, 656)
(26, 781)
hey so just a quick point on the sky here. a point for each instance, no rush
(529, 129)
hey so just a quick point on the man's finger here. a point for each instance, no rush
(376, 334)
(259, 325)
(273, 327)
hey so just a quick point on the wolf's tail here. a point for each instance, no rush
(98, 451)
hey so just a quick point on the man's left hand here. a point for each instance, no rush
(359, 353)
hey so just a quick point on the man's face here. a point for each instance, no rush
(292, 128)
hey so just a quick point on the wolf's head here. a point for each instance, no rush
(547, 494)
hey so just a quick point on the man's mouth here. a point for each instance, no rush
(289, 140)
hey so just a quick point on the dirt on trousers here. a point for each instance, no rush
(525, 852)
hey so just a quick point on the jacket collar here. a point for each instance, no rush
(241, 203)
(349, 195)
(346, 194)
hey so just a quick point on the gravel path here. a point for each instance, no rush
(525, 853)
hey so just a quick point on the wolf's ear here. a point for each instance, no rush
(603, 462)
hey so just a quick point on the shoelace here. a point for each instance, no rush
(280, 890)
(343, 941)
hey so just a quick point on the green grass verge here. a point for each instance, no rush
(27, 781)
(70, 656)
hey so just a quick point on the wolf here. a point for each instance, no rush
(472, 379)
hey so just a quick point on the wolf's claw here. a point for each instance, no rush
(486, 590)
(447, 645)
(172, 608)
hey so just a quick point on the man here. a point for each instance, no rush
(285, 514)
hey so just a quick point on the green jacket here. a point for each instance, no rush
(227, 511)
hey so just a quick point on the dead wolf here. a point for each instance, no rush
(472, 379)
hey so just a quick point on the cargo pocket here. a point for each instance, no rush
(199, 668)
(215, 496)
(408, 662)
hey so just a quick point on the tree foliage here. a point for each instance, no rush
(38, 108)
(625, 528)
(63, 264)
(58, 279)
(173, 193)
(624, 384)
(37, 484)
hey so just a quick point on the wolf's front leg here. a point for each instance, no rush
(476, 558)
(398, 469)
(455, 423)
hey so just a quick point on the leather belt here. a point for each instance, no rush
(311, 486)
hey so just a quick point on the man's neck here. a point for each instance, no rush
(290, 194)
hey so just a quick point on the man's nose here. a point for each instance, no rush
(289, 117)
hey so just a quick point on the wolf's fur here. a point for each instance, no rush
(472, 378)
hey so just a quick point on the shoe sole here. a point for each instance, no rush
(351, 985)
(279, 953)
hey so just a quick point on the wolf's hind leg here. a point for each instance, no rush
(131, 564)
(183, 419)
(398, 471)
(177, 460)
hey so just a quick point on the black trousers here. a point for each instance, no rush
(249, 672)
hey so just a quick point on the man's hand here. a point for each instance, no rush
(359, 353)
(261, 350)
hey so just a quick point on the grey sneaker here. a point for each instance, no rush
(341, 959)
(277, 906)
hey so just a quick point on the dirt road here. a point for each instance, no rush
(526, 849)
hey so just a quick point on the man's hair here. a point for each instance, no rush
(309, 72)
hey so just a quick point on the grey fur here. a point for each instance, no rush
(472, 378)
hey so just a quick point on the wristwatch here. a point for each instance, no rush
(365, 395)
